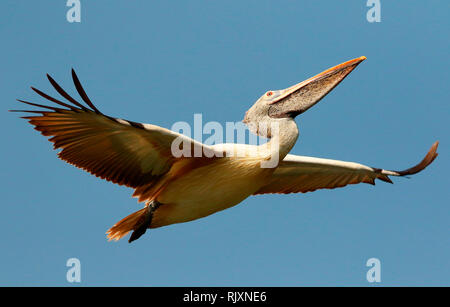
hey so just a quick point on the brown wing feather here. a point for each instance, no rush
(120, 151)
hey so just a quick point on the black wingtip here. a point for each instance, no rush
(76, 107)
(50, 78)
(64, 94)
(427, 160)
(82, 92)
(42, 94)
(40, 106)
(385, 179)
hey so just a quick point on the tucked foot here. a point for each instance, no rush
(144, 222)
(138, 222)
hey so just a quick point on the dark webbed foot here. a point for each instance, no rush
(144, 222)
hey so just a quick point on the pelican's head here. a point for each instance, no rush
(290, 102)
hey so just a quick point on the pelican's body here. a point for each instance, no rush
(205, 190)
(226, 182)
(179, 188)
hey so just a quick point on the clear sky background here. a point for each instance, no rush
(162, 61)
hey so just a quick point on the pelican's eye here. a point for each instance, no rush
(269, 94)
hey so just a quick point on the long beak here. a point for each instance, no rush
(302, 96)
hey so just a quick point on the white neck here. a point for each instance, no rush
(283, 137)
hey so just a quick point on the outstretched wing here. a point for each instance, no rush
(118, 150)
(297, 174)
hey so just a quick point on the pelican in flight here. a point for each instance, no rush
(180, 188)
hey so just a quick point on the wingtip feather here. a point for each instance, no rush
(427, 160)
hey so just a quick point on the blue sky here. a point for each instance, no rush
(162, 61)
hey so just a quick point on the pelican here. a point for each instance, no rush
(182, 188)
